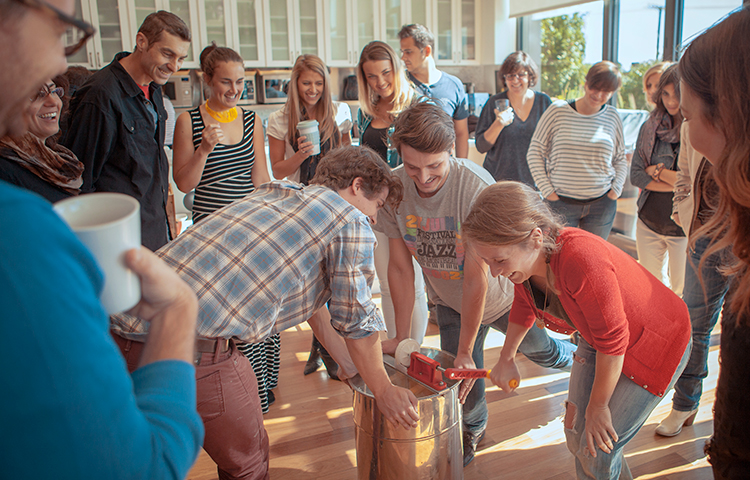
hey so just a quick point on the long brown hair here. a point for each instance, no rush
(324, 112)
(716, 67)
(404, 93)
(506, 213)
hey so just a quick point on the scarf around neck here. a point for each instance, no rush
(56, 165)
(659, 125)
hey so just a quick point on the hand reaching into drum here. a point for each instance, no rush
(399, 406)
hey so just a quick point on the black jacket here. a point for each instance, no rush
(112, 131)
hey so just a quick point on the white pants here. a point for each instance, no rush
(419, 314)
(663, 256)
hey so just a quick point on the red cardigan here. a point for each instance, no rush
(617, 306)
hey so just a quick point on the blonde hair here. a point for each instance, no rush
(404, 93)
(716, 67)
(656, 68)
(506, 213)
(324, 111)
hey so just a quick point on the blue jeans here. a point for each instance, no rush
(630, 407)
(704, 312)
(595, 216)
(538, 347)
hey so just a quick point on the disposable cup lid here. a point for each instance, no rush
(306, 124)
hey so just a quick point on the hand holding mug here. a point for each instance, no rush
(304, 147)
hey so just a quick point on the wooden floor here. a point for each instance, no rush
(312, 433)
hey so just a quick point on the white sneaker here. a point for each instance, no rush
(672, 425)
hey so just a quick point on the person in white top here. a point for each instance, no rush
(291, 154)
(309, 99)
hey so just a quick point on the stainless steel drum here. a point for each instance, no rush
(430, 451)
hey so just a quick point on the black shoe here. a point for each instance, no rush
(313, 361)
(271, 397)
(331, 366)
(470, 441)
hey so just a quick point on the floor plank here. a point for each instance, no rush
(311, 426)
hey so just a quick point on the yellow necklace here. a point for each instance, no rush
(222, 117)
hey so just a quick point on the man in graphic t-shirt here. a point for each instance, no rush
(439, 190)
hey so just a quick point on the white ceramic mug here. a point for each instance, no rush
(309, 129)
(109, 224)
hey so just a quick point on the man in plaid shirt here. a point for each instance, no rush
(267, 263)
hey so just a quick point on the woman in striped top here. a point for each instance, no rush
(214, 144)
(577, 154)
(214, 153)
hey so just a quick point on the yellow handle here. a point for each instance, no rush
(513, 383)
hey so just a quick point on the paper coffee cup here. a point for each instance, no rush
(109, 224)
(309, 129)
(501, 104)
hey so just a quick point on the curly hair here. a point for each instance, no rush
(342, 166)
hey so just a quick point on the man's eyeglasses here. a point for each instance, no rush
(515, 76)
(45, 90)
(78, 31)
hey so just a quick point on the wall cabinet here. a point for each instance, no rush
(456, 29)
(273, 33)
(232, 23)
(294, 27)
(110, 19)
(351, 24)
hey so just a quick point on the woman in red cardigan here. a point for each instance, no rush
(634, 332)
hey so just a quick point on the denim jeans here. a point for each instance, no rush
(704, 312)
(630, 406)
(538, 347)
(595, 216)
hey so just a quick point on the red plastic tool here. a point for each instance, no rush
(430, 372)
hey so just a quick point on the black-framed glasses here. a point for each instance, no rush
(45, 91)
(78, 31)
(515, 76)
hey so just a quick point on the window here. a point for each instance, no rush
(641, 45)
(565, 42)
(698, 15)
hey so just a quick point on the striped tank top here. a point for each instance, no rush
(227, 175)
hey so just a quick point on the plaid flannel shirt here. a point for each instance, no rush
(269, 261)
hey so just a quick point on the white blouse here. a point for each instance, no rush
(278, 124)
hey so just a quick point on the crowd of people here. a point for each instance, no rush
(517, 244)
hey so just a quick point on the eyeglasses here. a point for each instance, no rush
(78, 31)
(45, 91)
(515, 76)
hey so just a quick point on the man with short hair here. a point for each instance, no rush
(269, 262)
(117, 122)
(439, 190)
(417, 53)
(69, 408)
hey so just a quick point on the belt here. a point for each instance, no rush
(209, 345)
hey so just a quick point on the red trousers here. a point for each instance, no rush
(229, 405)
